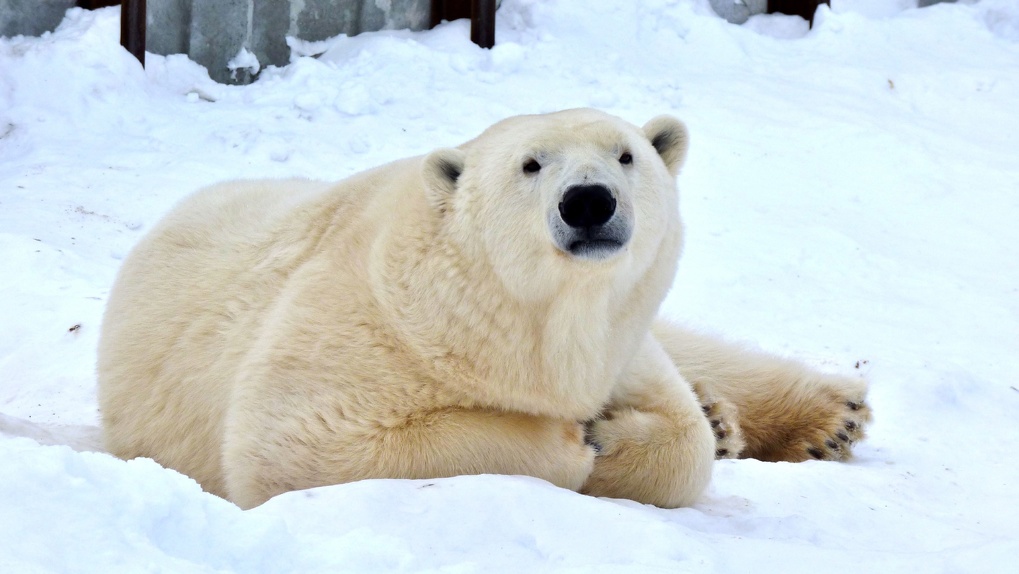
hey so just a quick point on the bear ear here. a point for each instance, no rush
(441, 170)
(670, 138)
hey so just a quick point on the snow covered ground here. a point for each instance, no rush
(851, 198)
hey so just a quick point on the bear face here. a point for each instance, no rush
(579, 186)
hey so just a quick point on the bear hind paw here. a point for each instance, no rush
(836, 441)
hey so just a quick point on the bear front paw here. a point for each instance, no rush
(653, 458)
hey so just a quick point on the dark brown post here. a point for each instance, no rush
(481, 13)
(450, 10)
(436, 16)
(132, 28)
(483, 23)
(802, 8)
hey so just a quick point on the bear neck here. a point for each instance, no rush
(560, 356)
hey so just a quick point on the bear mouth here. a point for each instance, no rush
(590, 243)
(594, 248)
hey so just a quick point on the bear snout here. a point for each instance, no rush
(586, 206)
(588, 224)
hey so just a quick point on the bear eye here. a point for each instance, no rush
(532, 166)
(626, 159)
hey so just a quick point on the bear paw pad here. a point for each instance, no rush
(835, 441)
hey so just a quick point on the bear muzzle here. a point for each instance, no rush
(589, 225)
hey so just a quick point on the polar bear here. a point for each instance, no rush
(482, 309)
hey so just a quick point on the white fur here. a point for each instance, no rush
(419, 320)
(411, 321)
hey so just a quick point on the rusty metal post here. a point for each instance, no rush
(132, 28)
(483, 23)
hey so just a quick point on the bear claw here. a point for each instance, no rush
(835, 443)
(722, 417)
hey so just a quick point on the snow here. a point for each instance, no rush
(850, 199)
(244, 60)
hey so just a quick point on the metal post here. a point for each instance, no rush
(483, 23)
(132, 28)
(438, 13)
(481, 13)
(802, 8)
(450, 10)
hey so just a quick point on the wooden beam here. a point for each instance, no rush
(132, 28)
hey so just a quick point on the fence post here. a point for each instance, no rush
(802, 8)
(132, 28)
(483, 23)
(481, 13)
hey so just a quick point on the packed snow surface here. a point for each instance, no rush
(851, 198)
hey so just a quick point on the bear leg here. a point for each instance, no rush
(786, 410)
(655, 444)
(291, 455)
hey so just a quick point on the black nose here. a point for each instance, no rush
(587, 206)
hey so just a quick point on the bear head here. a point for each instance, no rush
(547, 198)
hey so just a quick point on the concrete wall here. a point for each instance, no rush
(214, 32)
(739, 11)
(31, 17)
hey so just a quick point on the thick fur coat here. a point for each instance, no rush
(483, 309)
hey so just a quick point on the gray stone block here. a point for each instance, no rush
(218, 31)
(270, 25)
(739, 11)
(31, 17)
